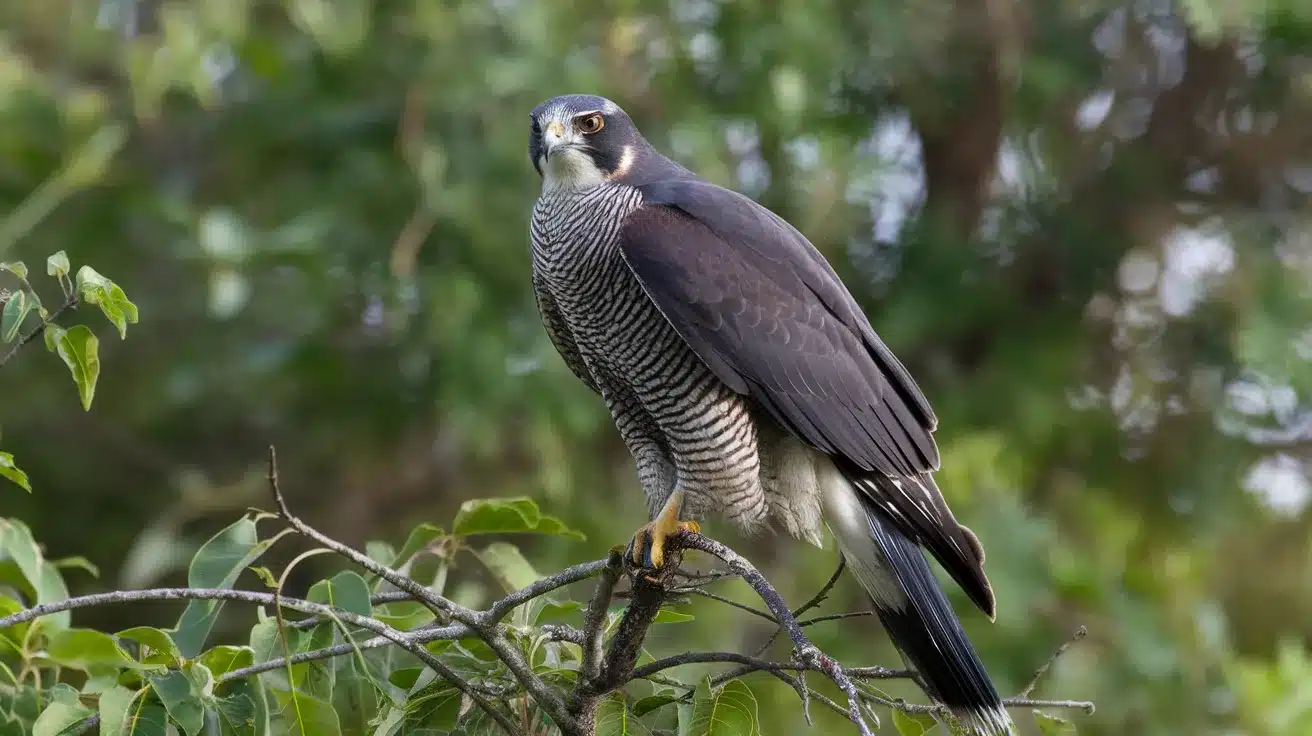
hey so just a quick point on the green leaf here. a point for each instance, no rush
(554, 611)
(508, 565)
(356, 696)
(670, 616)
(109, 296)
(420, 537)
(77, 562)
(506, 516)
(15, 634)
(16, 309)
(404, 615)
(58, 716)
(183, 705)
(85, 648)
(146, 717)
(303, 715)
(652, 703)
(615, 719)
(16, 268)
(266, 576)
(913, 724)
(316, 677)
(730, 710)
(240, 713)
(1052, 725)
(162, 648)
(52, 335)
(114, 705)
(80, 351)
(436, 709)
(24, 703)
(406, 677)
(42, 580)
(345, 590)
(11, 471)
(57, 264)
(224, 659)
(216, 565)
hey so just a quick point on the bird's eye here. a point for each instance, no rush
(590, 124)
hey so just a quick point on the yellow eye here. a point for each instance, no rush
(590, 124)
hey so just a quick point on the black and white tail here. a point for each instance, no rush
(912, 607)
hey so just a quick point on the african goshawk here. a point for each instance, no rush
(746, 381)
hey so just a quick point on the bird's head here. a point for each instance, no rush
(581, 141)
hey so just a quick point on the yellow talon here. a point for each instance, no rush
(663, 526)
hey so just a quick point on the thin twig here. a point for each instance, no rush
(377, 599)
(70, 302)
(453, 632)
(806, 652)
(1080, 633)
(166, 594)
(755, 664)
(777, 669)
(443, 608)
(728, 602)
(834, 617)
(820, 596)
(815, 600)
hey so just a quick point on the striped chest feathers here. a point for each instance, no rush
(575, 234)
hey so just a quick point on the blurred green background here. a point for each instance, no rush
(1082, 225)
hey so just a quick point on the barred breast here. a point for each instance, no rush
(668, 406)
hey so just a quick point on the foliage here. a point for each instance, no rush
(77, 346)
(326, 674)
(1082, 226)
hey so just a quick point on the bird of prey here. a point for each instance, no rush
(746, 381)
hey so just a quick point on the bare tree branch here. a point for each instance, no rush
(399, 638)
(483, 625)
(594, 621)
(606, 667)
(806, 652)
(1080, 633)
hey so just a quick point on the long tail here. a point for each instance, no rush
(913, 608)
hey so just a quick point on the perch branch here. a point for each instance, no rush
(603, 669)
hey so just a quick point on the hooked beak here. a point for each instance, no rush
(552, 138)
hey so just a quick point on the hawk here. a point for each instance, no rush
(746, 381)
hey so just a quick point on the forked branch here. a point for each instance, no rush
(607, 660)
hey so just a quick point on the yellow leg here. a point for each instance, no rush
(664, 525)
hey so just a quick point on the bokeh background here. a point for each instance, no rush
(1083, 226)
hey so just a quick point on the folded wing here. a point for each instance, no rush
(765, 311)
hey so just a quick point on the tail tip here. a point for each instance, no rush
(986, 721)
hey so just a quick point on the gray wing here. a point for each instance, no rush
(560, 336)
(765, 311)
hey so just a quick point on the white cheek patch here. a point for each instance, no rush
(569, 168)
(627, 157)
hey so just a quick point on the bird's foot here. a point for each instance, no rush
(647, 548)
